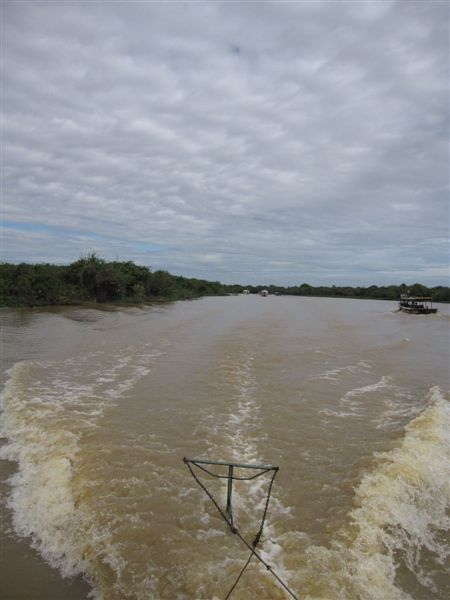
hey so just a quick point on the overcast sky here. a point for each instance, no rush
(245, 142)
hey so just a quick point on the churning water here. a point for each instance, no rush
(349, 398)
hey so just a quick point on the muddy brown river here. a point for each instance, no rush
(348, 397)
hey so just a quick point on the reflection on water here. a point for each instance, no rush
(348, 397)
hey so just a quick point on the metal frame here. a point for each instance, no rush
(230, 476)
(204, 461)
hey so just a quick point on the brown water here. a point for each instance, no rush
(349, 398)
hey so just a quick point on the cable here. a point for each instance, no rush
(235, 531)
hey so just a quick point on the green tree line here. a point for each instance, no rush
(92, 279)
(390, 292)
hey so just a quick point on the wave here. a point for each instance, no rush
(337, 372)
(391, 543)
(46, 416)
(237, 435)
(395, 540)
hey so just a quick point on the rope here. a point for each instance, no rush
(258, 535)
(239, 576)
(235, 531)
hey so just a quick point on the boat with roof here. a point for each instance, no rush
(416, 305)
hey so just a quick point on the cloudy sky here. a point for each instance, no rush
(246, 142)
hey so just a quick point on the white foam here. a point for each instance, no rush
(403, 503)
(383, 383)
(335, 374)
(395, 404)
(401, 511)
(242, 429)
(46, 411)
(206, 534)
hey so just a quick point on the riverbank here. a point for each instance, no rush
(92, 280)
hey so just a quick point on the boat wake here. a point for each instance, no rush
(47, 418)
(126, 532)
(395, 540)
(237, 436)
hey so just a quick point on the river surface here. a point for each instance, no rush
(349, 398)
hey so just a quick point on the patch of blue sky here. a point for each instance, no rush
(64, 232)
(146, 247)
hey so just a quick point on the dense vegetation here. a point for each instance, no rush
(92, 279)
(389, 292)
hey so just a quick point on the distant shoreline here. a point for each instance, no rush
(165, 301)
(94, 281)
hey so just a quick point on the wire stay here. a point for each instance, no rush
(227, 514)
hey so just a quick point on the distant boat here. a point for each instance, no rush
(416, 305)
(264, 293)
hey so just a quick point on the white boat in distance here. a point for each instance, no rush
(416, 305)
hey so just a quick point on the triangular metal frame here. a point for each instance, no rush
(230, 476)
(227, 515)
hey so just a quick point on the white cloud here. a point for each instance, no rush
(296, 141)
